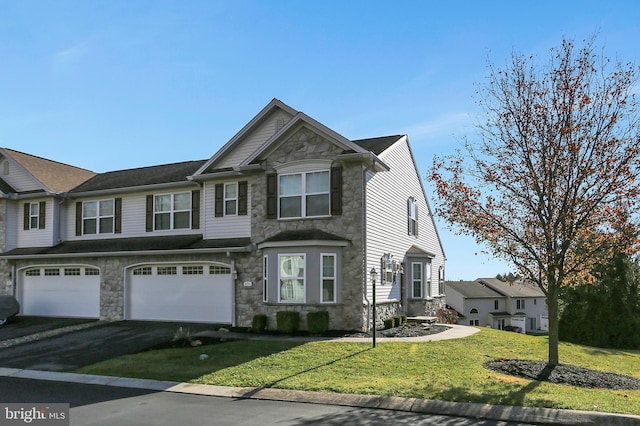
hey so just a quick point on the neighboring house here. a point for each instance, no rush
(287, 215)
(498, 304)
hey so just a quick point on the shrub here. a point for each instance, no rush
(259, 323)
(287, 322)
(318, 322)
(389, 323)
(447, 316)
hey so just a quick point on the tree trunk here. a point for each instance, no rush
(552, 305)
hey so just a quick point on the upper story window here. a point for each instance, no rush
(231, 199)
(98, 217)
(35, 215)
(304, 194)
(519, 303)
(412, 216)
(309, 188)
(172, 211)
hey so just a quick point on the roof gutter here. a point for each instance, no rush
(242, 249)
(369, 158)
(140, 188)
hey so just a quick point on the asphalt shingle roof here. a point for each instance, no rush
(165, 173)
(377, 145)
(473, 290)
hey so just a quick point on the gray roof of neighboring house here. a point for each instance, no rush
(377, 145)
(472, 290)
(517, 289)
(165, 173)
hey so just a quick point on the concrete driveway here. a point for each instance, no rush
(69, 351)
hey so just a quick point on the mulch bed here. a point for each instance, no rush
(565, 374)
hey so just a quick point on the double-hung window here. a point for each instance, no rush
(292, 275)
(97, 217)
(172, 211)
(265, 278)
(34, 215)
(412, 217)
(304, 194)
(519, 303)
(230, 199)
(416, 280)
(328, 278)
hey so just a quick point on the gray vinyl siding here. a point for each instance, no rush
(386, 211)
(133, 216)
(254, 140)
(226, 226)
(19, 179)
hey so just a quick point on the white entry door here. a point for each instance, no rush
(65, 291)
(180, 292)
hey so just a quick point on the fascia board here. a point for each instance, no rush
(255, 121)
(131, 189)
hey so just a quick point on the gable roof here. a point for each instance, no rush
(6, 188)
(517, 289)
(473, 290)
(152, 175)
(55, 177)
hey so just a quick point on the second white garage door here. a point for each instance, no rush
(180, 292)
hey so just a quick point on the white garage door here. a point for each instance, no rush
(69, 291)
(180, 292)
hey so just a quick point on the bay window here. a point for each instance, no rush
(291, 276)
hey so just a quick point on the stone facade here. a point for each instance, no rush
(348, 313)
(427, 307)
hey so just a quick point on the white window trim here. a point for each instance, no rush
(334, 277)
(35, 216)
(234, 199)
(413, 280)
(97, 217)
(304, 279)
(172, 211)
(265, 278)
(303, 194)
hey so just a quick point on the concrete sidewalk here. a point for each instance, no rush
(544, 416)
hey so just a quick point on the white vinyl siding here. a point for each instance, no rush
(386, 212)
(237, 226)
(133, 217)
(20, 180)
(38, 237)
(254, 140)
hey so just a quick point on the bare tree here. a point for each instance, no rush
(553, 179)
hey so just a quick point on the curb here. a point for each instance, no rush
(547, 416)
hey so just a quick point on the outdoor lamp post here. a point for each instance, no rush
(374, 275)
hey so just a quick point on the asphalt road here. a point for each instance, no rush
(114, 406)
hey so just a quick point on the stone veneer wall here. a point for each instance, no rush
(6, 283)
(425, 307)
(348, 314)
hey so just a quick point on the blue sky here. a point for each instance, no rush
(109, 85)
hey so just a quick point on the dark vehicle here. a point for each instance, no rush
(9, 308)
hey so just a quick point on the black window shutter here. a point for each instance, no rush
(219, 200)
(42, 215)
(242, 198)
(272, 196)
(336, 190)
(27, 221)
(149, 213)
(409, 225)
(416, 225)
(117, 226)
(78, 218)
(195, 210)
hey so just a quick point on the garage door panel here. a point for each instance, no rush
(65, 296)
(190, 297)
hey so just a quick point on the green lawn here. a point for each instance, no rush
(449, 370)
